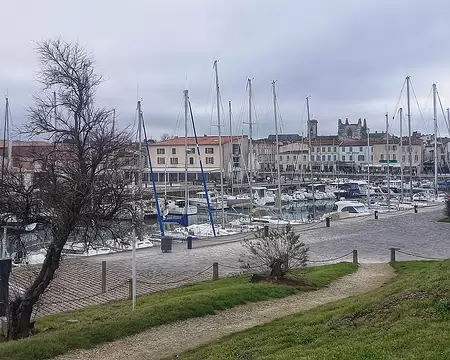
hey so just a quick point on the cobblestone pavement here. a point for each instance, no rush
(78, 282)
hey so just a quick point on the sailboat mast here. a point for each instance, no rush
(250, 149)
(311, 169)
(186, 115)
(277, 160)
(220, 142)
(401, 153)
(6, 136)
(435, 141)
(368, 167)
(114, 122)
(408, 103)
(231, 147)
(387, 163)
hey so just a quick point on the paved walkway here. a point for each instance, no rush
(169, 340)
(78, 282)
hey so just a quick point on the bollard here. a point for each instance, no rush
(130, 289)
(266, 230)
(103, 276)
(328, 221)
(376, 214)
(416, 208)
(189, 242)
(392, 255)
(355, 256)
(215, 271)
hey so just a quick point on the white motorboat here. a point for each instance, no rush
(177, 207)
(345, 208)
(237, 199)
(263, 196)
(215, 200)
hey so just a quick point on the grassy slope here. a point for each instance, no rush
(406, 319)
(444, 220)
(115, 320)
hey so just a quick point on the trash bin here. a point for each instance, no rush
(166, 243)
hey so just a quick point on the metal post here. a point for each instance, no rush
(328, 221)
(416, 209)
(103, 276)
(231, 146)
(393, 255)
(355, 256)
(250, 145)
(215, 271)
(376, 214)
(189, 242)
(266, 230)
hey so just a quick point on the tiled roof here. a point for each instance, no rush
(202, 140)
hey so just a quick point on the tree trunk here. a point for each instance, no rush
(21, 308)
(277, 271)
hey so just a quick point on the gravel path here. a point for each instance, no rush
(169, 340)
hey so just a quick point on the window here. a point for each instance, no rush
(210, 160)
(287, 157)
(334, 158)
(329, 157)
(318, 158)
(295, 158)
(191, 161)
(334, 149)
(318, 149)
(360, 157)
(304, 157)
(360, 149)
(312, 157)
(350, 158)
(350, 209)
(350, 148)
(312, 149)
(209, 151)
(173, 161)
(323, 149)
(394, 147)
(281, 158)
(382, 157)
(161, 161)
(299, 167)
(329, 148)
(403, 158)
(416, 158)
(160, 151)
(394, 156)
(343, 157)
(191, 151)
(323, 157)
(174, 151)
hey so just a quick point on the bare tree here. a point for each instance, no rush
(166, 136)
(447, 208)
(80, 187)
(279, 252)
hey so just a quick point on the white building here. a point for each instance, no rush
(168, 157)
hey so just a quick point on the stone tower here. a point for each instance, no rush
(356, 131)
(312, 129)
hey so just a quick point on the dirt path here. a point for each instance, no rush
(169, 340)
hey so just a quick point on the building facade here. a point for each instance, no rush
(169, 158)
(398, 155)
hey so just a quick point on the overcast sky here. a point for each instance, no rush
(350, 56)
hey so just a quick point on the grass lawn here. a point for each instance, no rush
(444, 220)
(115, 320)
(408, 318)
